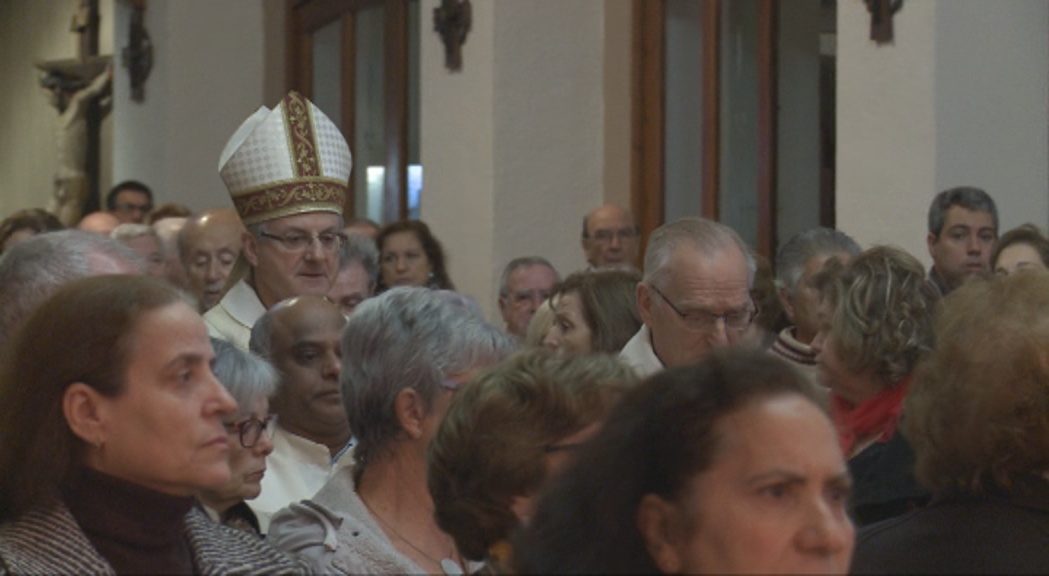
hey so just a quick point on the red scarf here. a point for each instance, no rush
(878, 415)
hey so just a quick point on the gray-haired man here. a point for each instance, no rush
(797, 264)
(694, 296)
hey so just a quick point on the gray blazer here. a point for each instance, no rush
(49, 541)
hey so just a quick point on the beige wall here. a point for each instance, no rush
(515, 147)
(31, 30)
(205, 82)
(959, 98)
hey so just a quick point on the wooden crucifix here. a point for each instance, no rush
(882, 12)
(78, 88)
(452, 21)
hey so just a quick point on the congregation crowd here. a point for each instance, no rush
(274, 388)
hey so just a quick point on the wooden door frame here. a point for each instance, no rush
(304, 18)
(648, 127)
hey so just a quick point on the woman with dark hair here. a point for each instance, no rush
(410, 255)
(1019, 249)
(26, 224)
(102, 452)
(877, 325)
(594, 312)
(727, 466)
(510, 432)
(978, 418)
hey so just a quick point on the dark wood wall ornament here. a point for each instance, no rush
(882, 12)
(137, 56)
(452, 20)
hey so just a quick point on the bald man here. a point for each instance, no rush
(167, 230)
(98, 222)
(209, 245)
(610, 238)
(311, 439)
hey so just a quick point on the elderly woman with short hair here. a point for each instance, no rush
(251, 381)
(876, 325)
(509, 432)
(978, 418)
(102, 452)
(404, 354)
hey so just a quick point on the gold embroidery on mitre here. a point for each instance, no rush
(290, 197)
(302, 142)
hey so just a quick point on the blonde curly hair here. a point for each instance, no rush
(883, 311)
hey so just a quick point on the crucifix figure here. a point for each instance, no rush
(74, 101)
(78, 89)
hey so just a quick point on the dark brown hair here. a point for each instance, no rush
(91, 324)
(609, 302)
(658, 437)
(431, 247)
(978, 411)
(1027, 234)
(35, 219)
(491, 444)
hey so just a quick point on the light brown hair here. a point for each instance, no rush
(491, 444)
(978, 411)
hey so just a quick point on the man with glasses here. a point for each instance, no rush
(525, 284)
(311, 435)
(287, 170)
(610, 238)
(694, 296)
(130, 202)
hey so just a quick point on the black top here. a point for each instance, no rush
(998, 532)
(136, 529)
(883, 484)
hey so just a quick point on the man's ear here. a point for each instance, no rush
(250, 248)
(930, 241)
(786, 301)
(644, 302)
(658, 525)
(411, 410)
(85, 413)
(504, 306)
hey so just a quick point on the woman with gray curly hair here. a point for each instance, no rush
(404, 354)
(876, 316)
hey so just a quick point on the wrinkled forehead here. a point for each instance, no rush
(609, 220)
(216, 233)
(723, 264)
(530, 275)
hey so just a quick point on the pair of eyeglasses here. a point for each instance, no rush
(300, 241)
(250, 430)
(526, 297)
(701, 320)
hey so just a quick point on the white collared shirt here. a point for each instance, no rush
(232, 318)
(639, 355)
(296, 470)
